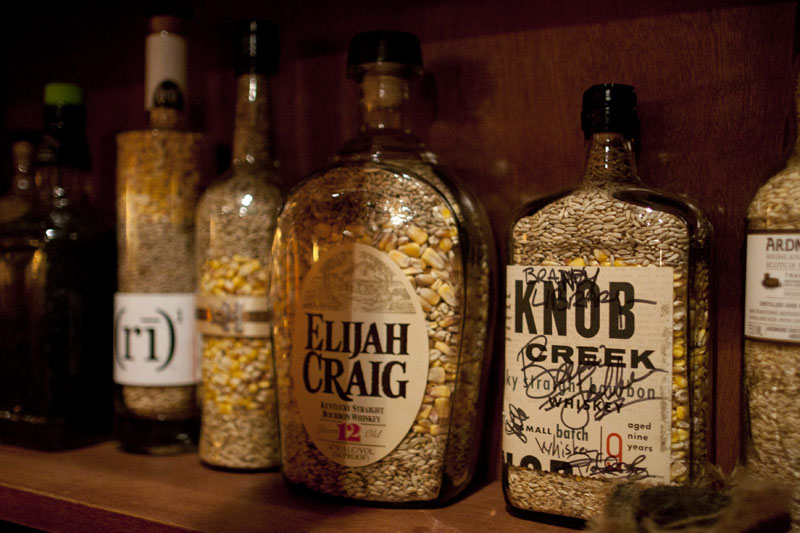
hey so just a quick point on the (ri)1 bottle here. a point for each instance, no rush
(159, 174)
(57, 284)
(608, 370)
(381, 291)
(235, 224)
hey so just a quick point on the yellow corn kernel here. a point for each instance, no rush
(432, 258)
(443, 347)
(619, 263)
(680, 412)
(678, 350)
(416, 234)
(425, 412)
(411, 249)
(418, 429)
(400, 258)
(440, 391)
(447, 294)
(446, 244)
(429, 296)
(577, 262)
(436, 429)
(225, 408)
(600, 255)
(679, 381)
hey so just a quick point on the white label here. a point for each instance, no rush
(588, 375)
(772, 287)
(359, 354)
(155, 342)
(165, 60)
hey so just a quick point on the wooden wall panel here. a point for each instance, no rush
(499, 103)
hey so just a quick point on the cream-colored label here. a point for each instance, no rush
(772, 287)
(359, 354)
(233, 316)
(588, 374)
(165, 61)
(155, 341)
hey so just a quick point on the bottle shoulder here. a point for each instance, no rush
(249, 187)
(776, 204)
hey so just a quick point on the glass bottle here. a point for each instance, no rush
(608, 357)
(22, 195)
(772, 330)
(382, 288)
(235, 218)
(56, 286)
(159, 174)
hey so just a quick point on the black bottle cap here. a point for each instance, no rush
(257, 47)
(610, 107)
(384, 46)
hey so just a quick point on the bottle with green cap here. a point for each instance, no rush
(382, 291)
(608, 357)
(56, 296)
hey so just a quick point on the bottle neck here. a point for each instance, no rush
(251, 134)
(62, 158)
(610, 161)
(383, 101)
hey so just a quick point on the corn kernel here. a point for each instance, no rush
(400, 258)
(446, 244)
(577, 262)
(432, 258)
(411, 249)
(429, 296)
(447, 294)
(679, 381)
(417, 234)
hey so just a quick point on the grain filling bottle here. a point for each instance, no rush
(381, 300)
(772, 328)
(159, 174)
(235, 223)
(607, 354)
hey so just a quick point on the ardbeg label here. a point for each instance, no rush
(359, 354)
(772, 287)
(588, 374)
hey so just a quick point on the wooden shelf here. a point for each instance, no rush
(101, 488)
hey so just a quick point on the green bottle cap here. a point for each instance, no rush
(59, 93)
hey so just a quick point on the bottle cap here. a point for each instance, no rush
(609, 107)
(384, 47)
(257, 47)
(59, 93)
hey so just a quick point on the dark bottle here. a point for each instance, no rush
(383, 272)
(22, 196)
(607, 330)
(56, 296)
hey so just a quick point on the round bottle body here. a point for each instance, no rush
(372, 274)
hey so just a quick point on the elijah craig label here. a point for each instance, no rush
(588, 370)
(359, 354)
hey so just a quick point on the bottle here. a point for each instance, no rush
(159, 175)
(235, 223)
(608, 356)
(22, 195)
(381, 292)
(56, 288)
(771, 348)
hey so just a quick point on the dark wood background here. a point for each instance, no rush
(499, 103)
